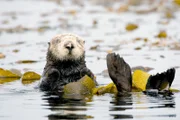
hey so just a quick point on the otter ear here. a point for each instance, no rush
(49, 45)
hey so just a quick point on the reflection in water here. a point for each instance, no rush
(122, 103)
(164, 100)
(128, 106)
(124, 106)
(64, 108)
(28, 81)
(6, 80)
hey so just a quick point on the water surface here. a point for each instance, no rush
(25, 31)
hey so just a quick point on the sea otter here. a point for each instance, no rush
(65, 62)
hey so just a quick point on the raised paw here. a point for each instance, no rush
(119, 72)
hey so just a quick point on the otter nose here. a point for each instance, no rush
(69, 46)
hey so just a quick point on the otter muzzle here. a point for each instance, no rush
(69, 46)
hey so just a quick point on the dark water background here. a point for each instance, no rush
(27, 26)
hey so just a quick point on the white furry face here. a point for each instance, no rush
(67, 47)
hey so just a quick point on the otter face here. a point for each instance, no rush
(67, 47)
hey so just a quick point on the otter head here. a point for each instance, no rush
(67, 47)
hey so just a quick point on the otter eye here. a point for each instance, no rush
(58, 40)
(55, 41)
(79, 41)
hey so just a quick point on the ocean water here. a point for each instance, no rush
(27, 26)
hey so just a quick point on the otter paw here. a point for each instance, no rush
(119, 72)
(161, 81)
(49, 80)
(53, 74)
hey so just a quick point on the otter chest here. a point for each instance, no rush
(69, 73)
